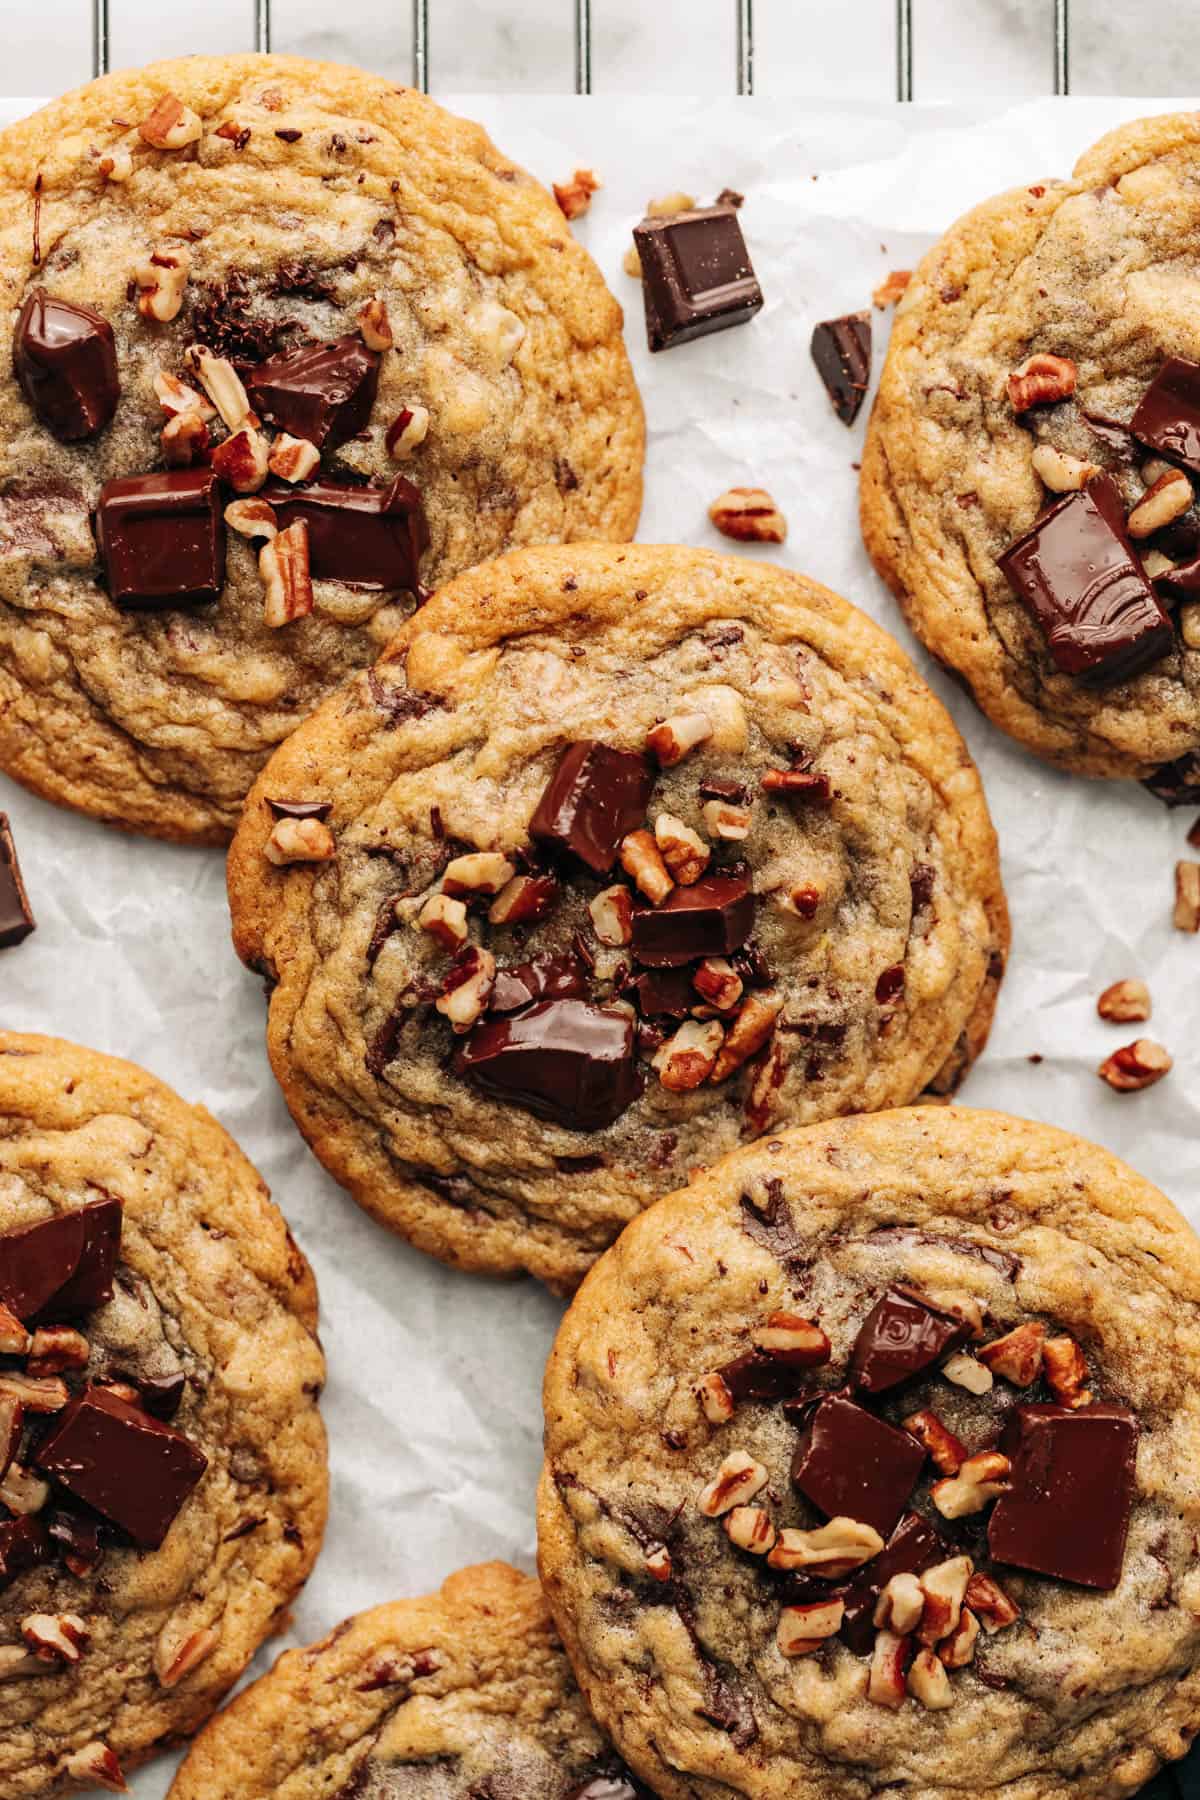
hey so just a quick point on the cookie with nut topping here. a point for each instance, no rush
(162, 1460)
(871, 1460)
(283, 346)
(619, 857)
(1029, 477)
(459, 1693)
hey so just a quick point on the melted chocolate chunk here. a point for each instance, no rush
(1177, 783)
(322, 392)
(65, 360)
(366, 536)
(1077, 573)
(63, 1267)
(545, 977)
(900, 1336)
(125, 1464)
(300, 809)
(914, 1546)
(665, 993)
(565, 1060)
(711, 918)
(23, 1545)
(850, 1463)
(1004, 1261)
(696, 275)
(1067, 1511)
(162, 538)
(841, 349)
(758, 1377)
(772, 1225)
(595, 797)
(1168, 414)
(16, 914)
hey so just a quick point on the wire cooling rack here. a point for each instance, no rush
(744, 70)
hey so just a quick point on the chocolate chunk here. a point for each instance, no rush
(772, 1224)
(130, 1467)
(758, 1377)
(300, 809)
(162, 538)
(62, 1267)
(1076, 572)
(16, 914)
(23, 1545)
(712, 917)
(914, 1546)
(65, 360)
(850, 1463)
(159, 1395)
(665, 993)
(77, 1537)
(901, 1335)
(696, 275)
(323, 392)
(841, 349)
(1177, 783)
(595, 797)
(1067, 1511)
(366, 536)
(565, 1060)
(1168, 414)
(903, 1236)
(543, 977)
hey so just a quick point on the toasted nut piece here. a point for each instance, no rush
(575, 196)
(748, 514)
(965, 1372)
(803, 1629)
(929, 1683)
(174, 1660)
(293, 458)
(642, 859)
(1040, 381)
(1066, 1371)
(943, 1587)
(749, 1032)
(891, 288)
(479, 872)
(287, 584)
(23, 1492)
(737, 1480)
(799, 784)
(1187, 896)
(688, 1058)
(184, 440)
(114, 164)
(1189, 630)
(176, 397)
(526, 897)
(791, 1339)
(36, 1394)
(889, 1664)
(300, 840)
(499, 331)
(242, 461)
(669, 204)
(222, 383)
(407, 431)
(1017, 1355)
(1135, 1066)
(467, 988)
(96, 1765)
(1061, 473)
(374, 325)
(762, 1103)
(832, 1549)
(658, 1563)
(12, 1423)
(715, 1398)
(162, 279)
(671, 741)
(957, 1650)
(612, 914)
(1170, 496)
(14, 1339)
(56, 1637)
(900, 1605)
(724, 820)
(1155, 564)
(990, 1604)
(445, 919)
(750, 1528)
(55, 1348)
(981, 1478)
(252, 518)
(1125, 1002)
(718, 982)
(947, 1451)
(170, 125)
(16, 1662)
(683, 850)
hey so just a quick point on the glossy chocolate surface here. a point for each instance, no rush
(1168, 414)
(711, 918)
(841, 349)
(850, 1463)
(758, 1377)
(16, 914)
(696, 275)
(24, 1544)
(565, 1060)
(1067, 1511)
(901, 1335)
(545, 977)
(123, 1463)
(161, 538)
(914, 1546)
(364, 535)
(595, 797)
(322, 392)
(62, 1267)
(65, 360)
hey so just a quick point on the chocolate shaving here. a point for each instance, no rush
(772, 1225)
(400, 704)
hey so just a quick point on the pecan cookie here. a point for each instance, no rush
(1028, 485)
(162, 1460)
(871, 1463)
(461, 1693)
(618, 857)
(281, 346)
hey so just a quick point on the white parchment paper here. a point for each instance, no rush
(433, 1398)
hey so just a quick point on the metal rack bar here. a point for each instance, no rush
(99, 37)
(262, 25)
(583, 46)
(1062, 46)
(420, 54)
(745, 46)
(904, 50)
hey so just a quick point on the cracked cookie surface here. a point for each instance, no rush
(213, 1302)
(877, 924)
(309, 191)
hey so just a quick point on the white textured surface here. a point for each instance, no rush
(433, 1402)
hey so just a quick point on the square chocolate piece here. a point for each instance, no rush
(16, 914)
(900, 1336)
(595, 797)
(853, 1465)
(696, 275)
(712, 917)
(1067, 1511)
(62, 1267)
(162, 538)
(123, 1463)
(1168, 414)
(366, 536)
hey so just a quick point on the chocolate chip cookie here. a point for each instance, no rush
(871, 1464)
(618, 857)
(162, 1460)
(281, 347)
(462, 1693)
(1028, 486)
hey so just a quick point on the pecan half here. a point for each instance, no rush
(749, 515)
(1125, 1002)
(1041, 381)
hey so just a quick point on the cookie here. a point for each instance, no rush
(162, 1461)
(1028, 479)
(618, 857)
(871, 1462)
(409, 365)
(458, 1693)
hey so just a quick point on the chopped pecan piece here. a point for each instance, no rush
(750, 1528)
(170, 125)
(671, 741)
(445, 919)
(1125, 1002)
(990, 1604)
(300, 840)
(830, 1550)
(374, 325)
(803, 1629)
(688, 1059)
(683, 850)
(575, 196)
(161, 280)
(293, 458)
(642, 859)
(287, 582)
(1066, 1372)
(737, 1480)
(56, 1637)
(944, 1587)
(1135, 1066)
(749, 515)
(889, 1666)
(981, 1478)
(1017, 1355)
(174, 1660)
(749, 1031)
(467, 988)
(1041, 381)
(947, 1450)
(900, 1605)
(792, 1339)
(929, 1683)
(715, 1398)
